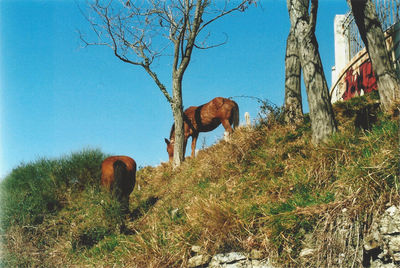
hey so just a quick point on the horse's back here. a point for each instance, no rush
(221, 108)
(108, 170)
(209, 116)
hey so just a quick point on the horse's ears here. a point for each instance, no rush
(167, 141)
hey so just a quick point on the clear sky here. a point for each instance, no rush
(57, 97)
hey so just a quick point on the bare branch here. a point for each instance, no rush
(241, 7)
(139, 32)
(159, 84)
(204, 46)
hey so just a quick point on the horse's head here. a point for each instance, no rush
(170, 148)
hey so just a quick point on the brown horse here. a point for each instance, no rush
(205, 118)
(118, 175)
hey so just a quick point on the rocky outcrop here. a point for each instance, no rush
(382, 244)
(228, 260)
(380, 248)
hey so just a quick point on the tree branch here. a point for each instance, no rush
(203, 46)
(157, 81)
(241, 7)
(132, 30)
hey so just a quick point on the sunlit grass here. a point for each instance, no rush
(267, 189)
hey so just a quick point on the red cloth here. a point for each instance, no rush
(365, 81)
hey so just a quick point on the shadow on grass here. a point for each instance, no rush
(143, 207)
(138, 212)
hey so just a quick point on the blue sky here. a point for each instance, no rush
(57, 97)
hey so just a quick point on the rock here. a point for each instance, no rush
(226, 258)
(371, 241)
(380, 264)
(199, 260)
(239, 260)
(196, 249)
(260, 264)
(396, 257)
(382, 244)
(394, 243)
(390, 221)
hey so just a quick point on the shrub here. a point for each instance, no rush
(32, 191)
(29, 193)
(270, 114)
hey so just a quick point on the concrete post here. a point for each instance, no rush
(342, 50)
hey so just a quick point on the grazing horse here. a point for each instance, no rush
(118, 175)
(205, 118)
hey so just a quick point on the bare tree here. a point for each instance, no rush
(371, 33)
(293, 108)
(303, 23)
(141, 31)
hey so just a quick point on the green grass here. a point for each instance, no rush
(267, 189)
(32, 191)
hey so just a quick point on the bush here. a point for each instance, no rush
(270, 114)
(34, 190)
(29, 193)
(80, 169)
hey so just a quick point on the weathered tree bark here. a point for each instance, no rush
(371, 32)
(177, 110)
(293, 108)
(321, 113)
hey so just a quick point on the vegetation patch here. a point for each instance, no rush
(268, 189)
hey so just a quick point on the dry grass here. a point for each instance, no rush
(266, 189)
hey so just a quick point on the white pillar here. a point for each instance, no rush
(342, 49)
(247, 118)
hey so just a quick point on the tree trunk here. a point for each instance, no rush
(177, 110)
(371, 32)
(321, 113)
(293, 103)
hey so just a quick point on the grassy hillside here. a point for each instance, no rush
(268, 189)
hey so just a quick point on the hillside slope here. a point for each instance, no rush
(267, 189)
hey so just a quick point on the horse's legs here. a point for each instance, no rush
(194, 140)
(227, 125)
(228, 129)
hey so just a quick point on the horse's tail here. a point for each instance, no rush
(121, 178)
(235, 116)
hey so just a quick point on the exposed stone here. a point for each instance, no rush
(199, 260)
(226, 258)
(371, 241)
(396, 257)
(382, 244)
(380, 264)
(394, 243)
(239, 260)
(390, 221)
(196, 249)
(260, 264)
